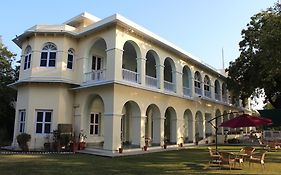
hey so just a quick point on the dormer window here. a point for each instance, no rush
(27, 58)
(70, 58)
(48, 55)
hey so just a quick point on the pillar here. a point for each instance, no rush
(112, 132)
(114, 64)
(141, 70)
(160, 76)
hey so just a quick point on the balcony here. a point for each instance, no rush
(130, 76)
(218, 97)
(95, 76)
(151, 81)
(224, 98)
(198, 91)
(207, 94)
(168, 86)
(186, 91)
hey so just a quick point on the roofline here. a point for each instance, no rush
(84, 15)
(119, 19)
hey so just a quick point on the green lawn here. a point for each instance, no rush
(187, 161)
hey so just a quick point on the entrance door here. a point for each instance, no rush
(97, 68)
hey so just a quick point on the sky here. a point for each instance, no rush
(202, 28)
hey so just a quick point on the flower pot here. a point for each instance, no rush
(82, 145)
(145, 148)
(120, 150)
(74, 147)
(47, 146)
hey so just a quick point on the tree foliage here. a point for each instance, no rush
(7, 94)
(259, 64)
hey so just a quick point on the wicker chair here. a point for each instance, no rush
(227, 159)
(258, 158)
(215, 158)
(248, 151)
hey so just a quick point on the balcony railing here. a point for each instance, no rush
(96, 75)
(218, 97)
(224, 98)
(186, 91)
(198, 90)
(168, 86)
(151, 81)
(207, 94)
(130, 76)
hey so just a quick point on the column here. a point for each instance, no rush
(192, 91)
(141, 70)
(112, 132)
(180, 130)
(114, 64)
(178, 83)
(138, 128)
(158, 130)
(160, 76)
(193, 131)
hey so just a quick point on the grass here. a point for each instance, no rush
(186, 161)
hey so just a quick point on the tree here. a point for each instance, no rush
(7, 94)
(258, 68)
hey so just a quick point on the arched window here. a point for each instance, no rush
(27, 58)
(207, 91)
(70, 58)
(217, 90)
(197, 83)
(48, 55)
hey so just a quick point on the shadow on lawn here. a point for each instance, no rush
(203, 167)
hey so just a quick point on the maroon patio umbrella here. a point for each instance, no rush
(246, 120)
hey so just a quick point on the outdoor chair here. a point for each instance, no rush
(248, 151)
(272, 146)
(258, 158)
(227, 159)
(215, 158)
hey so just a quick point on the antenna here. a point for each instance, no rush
(222, 57)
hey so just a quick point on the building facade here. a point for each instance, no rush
(116, 81)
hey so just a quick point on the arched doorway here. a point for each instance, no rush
(152, 125)
(93, 123)
(151, 74)
(129, 62)
(199, 126)
(208, 126)
(170, 133)
(219, 121)
(186, 81)
(188, 127)
(169, 75)
(97, 61)
(130, 124)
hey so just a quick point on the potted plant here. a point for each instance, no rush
(120, 150)
(22, 140)
(47, 144)
(73, 144)
(181, 142)
(56, 141)
(82, 140)
(165, 142)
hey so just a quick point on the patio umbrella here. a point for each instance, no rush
(246, 120)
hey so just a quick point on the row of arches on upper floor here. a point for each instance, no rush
(156, 70)
(132, 59)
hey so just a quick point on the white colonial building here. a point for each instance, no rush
(118, 82)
